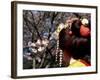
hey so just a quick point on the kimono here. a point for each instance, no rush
(78, 63)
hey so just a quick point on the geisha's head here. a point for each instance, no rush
(75, 45)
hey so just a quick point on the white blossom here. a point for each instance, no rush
(85, 21)
(38, 42)
(34, 50)
(40, 49)
(33, 45)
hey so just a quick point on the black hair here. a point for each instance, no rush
(75, 27)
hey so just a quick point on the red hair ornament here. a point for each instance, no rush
(84, 31)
